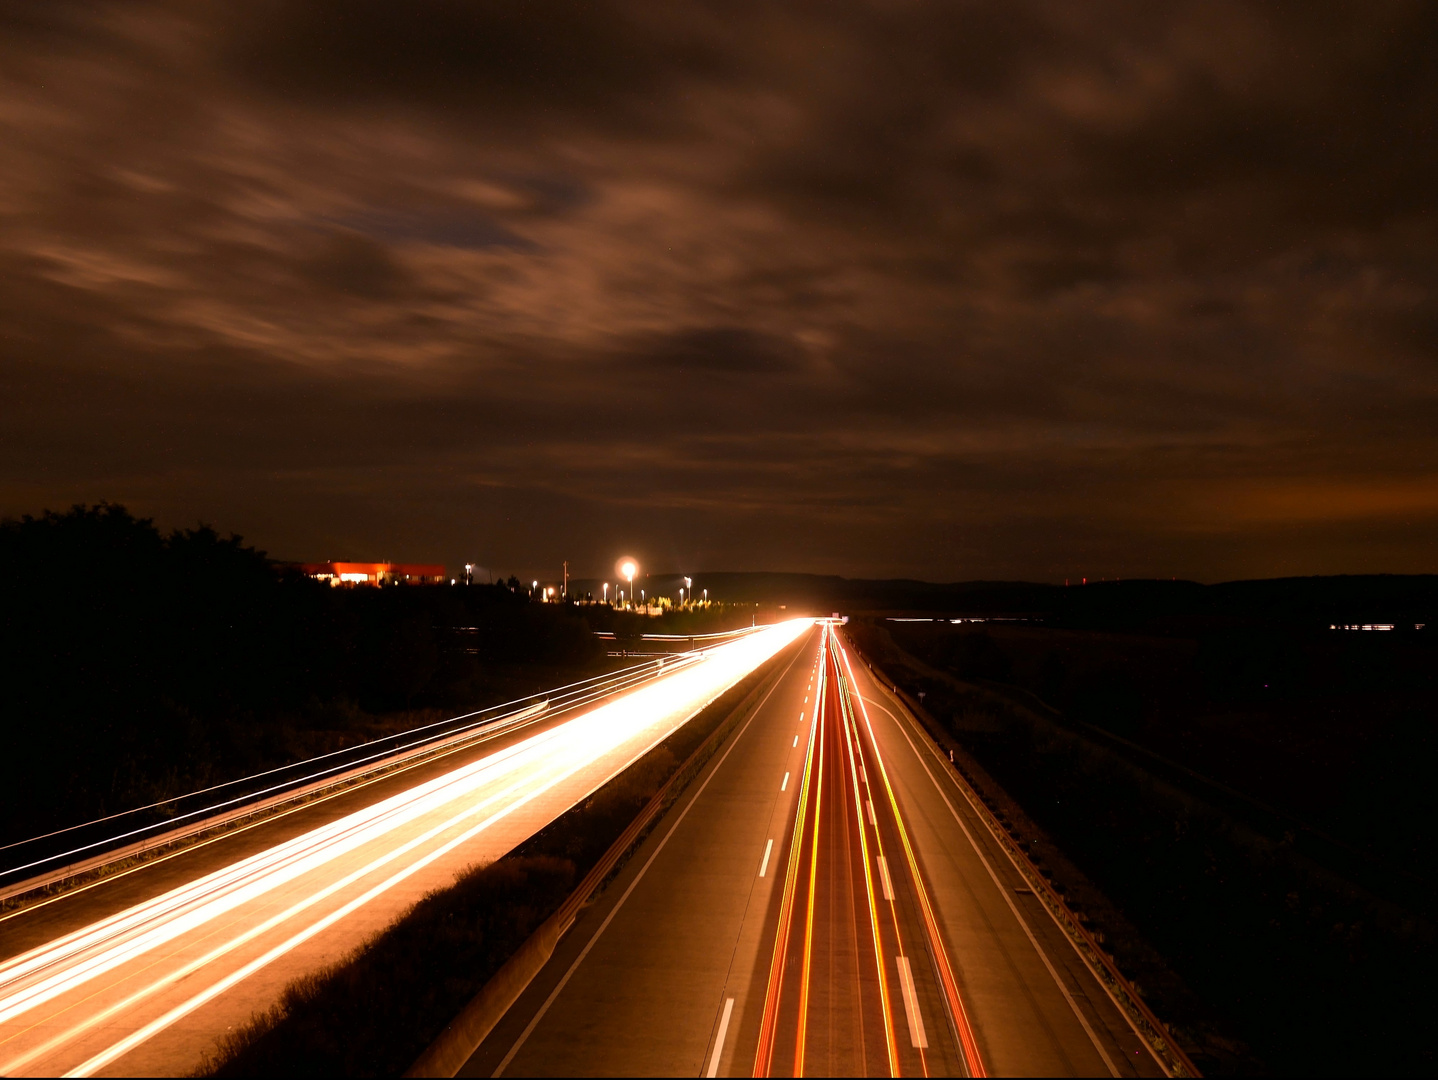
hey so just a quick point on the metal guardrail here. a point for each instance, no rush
(265, 806)
(43, 861)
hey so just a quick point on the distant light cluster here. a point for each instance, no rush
(1372, 626)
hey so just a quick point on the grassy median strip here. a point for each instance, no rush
(375, 1011)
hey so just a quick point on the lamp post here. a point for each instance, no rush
(606, 592)
(629, 569)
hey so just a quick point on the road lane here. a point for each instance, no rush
(1035, 1006)
(671, 972)
(149, 988)
(920, 954)
(845, 996)
(649, 975)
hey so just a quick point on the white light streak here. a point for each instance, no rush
(387, 842)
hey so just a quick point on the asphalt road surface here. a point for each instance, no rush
(821, 902)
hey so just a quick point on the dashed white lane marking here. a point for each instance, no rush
(883, 876)
(911, 1005)
(768, 850)
(713, 1069)
(785, 785)
(796, 740)
(872, 820)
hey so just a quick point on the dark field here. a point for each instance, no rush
(1251, 794)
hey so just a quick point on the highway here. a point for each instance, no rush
(822, 901)
(140, 975)
(852, 975)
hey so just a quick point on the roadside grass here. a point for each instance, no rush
(368, 1014)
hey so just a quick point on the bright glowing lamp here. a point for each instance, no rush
(629, 568)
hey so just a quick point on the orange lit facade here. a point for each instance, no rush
(376, 573)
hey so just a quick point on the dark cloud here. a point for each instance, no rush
(729, 349)
(452, 229)
(350, 263)
(947, 290)
(496, 59)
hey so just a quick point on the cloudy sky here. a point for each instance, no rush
(939, 290)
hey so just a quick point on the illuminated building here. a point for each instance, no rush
(375, 573)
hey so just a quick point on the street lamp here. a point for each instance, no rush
(606, 592)
(628, 570)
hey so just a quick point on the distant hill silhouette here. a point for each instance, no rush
(1358, 598)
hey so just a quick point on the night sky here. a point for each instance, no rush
(939, 290)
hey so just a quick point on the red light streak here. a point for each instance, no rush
(962, 1024)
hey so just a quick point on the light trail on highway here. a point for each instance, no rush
(817, 903)
(139, 827)
(860, 981)
(90, 999)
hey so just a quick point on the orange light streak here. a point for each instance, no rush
(941, 957)
(891, 898)
(763, 1058)
(891, 1039)
(813, 881)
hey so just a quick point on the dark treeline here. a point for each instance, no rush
(139, 666)
(1335, 728)
(1114, 605)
